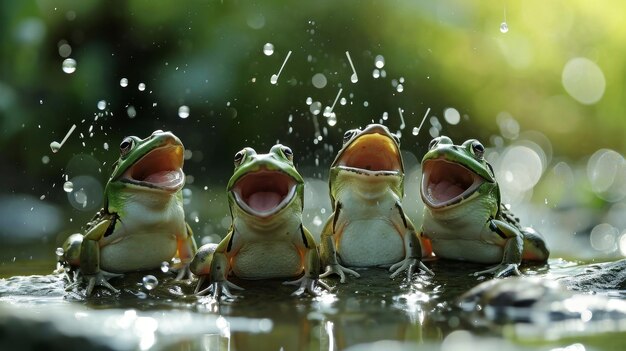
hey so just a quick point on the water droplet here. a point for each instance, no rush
(131, 111)
(401, 80)
(69, 65)
(187, 196)
(452, 116)
(400, 88)
(343, 101)
(59, 252)
(102, 104)
(385, 116)
(365, 103)
(183, 111)
(106, 146)
(416, 131)
(308, 101)
(123, 82)
(379, 61)
(317, 221)
(504, 27)
(55, 146)
(316, 107)
(165, 266)
(80, 196)
(268, 49)
(141, 87)
(45, 159)
(65, 50)
(274, 79)
(68, 187)
(150, 282)
(376, 73)
(332, 119)
(319, 80)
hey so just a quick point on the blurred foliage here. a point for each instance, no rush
(208, 55)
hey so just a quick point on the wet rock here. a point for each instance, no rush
(542, 309)
(609, 277)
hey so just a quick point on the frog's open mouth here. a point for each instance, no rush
(160, 168)
(263, 193)
(446, 183)
(372, 154)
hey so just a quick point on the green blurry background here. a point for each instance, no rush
(546, 96)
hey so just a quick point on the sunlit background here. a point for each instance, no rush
(539, 83)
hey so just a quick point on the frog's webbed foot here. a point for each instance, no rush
(219, 289)
(408, 265)
(307, 285)
(501, 270)
(340, 271)
(183, 273)
(98, 279)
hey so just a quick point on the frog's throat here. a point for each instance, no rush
(264, 193)
(371, 154)
(160, 169)
(446, 183)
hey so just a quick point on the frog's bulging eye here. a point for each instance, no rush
(239, 157)
(288, 153)
(126, 145)
(433, 143)
(477, 149)
(348, 135)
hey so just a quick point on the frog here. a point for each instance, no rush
(464, 217)
(266, 238)
(142, 221)
(368, 226)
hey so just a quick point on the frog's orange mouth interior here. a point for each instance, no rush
(160, 168)
(264, 192)
(372, 153)
(446, 183)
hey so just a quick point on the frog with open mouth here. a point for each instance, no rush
(266, 239)
(464, 218)
(368, 226)
(142, 222)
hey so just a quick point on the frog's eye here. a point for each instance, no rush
(348, 135)
(288, 153)
(477, 149)
(239, 157)
(126, 145)
(433, 143)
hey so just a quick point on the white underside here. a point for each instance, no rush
(461, 232)
(267, 259)
(145, 236)
(369, 229)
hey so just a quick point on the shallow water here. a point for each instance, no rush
(360, 314)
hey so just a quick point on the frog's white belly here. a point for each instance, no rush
(370, 242)
(462, 233)
(467, 250)
(140, 251)
(267, 259)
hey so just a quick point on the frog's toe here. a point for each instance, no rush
(340, 271)
(184, 273)
(409, 266)
(307, 285)
(219, 289)
(501, 270)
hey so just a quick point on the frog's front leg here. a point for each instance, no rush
(513, 248)
(329, 254)
(212, 261)
(309, 281)
(413, 253)
(90, 271)
(186, 249)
